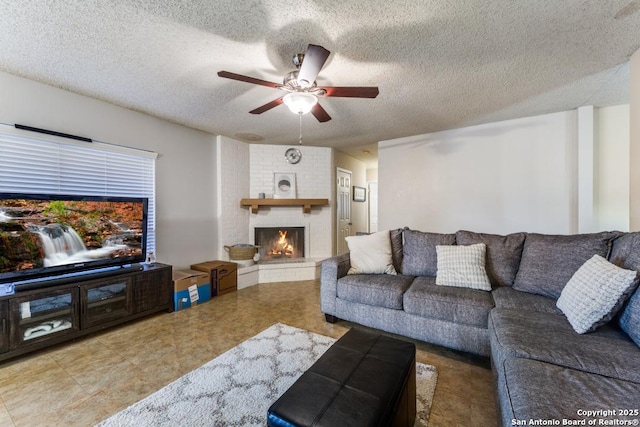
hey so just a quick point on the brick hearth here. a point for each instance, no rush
(309, 269)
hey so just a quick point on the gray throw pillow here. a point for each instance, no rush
(419, 252)
(595, 293)
(503, 254)
(548, 261)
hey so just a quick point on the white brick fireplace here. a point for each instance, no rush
(236, 224)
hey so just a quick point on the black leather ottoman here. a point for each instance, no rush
(364, 379)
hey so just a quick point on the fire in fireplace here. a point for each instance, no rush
(279, 243)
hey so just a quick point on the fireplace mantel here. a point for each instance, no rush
(306, 204)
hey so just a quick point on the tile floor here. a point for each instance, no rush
(82, 382)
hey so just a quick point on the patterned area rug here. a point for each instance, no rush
(237, 387)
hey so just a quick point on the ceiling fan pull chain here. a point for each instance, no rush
(300, 140)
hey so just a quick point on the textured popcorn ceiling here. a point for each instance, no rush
(439, 64)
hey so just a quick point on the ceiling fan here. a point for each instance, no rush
(303, 91)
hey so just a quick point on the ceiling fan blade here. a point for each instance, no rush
(320, 113)
(312, 63)
(351, 91)
(267, 106)
(247, 79)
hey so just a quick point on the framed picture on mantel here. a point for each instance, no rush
(284, 185)
(359, 194)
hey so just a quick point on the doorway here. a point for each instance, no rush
(373, 206)
(343, 209)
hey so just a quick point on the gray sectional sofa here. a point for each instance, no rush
(544, 369)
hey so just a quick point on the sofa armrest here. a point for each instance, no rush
(331, 270)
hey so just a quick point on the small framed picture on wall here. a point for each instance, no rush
(359, 194)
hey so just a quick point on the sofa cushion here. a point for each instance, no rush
(507, 297)
(396, 247)
(549, 261)
(630, 319)
(419, 252)
(462, 267)
(549, 338)
(371, 254)
(596, 293)
(527, 395)
(458, 305)
(381, 290)
(625, 251)
(503, 254)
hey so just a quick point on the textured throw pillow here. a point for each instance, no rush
(419, 252)
(371, 254)
(503, 254)
(462, 267)
(595, 293)
(549, 261)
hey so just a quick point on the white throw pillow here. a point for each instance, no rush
(371, 254)
(595, 293)
(462, 266)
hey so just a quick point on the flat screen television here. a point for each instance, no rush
(46, 235)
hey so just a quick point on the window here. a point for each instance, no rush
(35, 163)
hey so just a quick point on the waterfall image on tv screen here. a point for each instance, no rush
(38, 235)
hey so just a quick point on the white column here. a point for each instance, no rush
(587, 170)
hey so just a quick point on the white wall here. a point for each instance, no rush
(499, 177)
(634, 166)
(185, 179)
(515, 175)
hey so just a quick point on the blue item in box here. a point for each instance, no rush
(190, 287)
(182, 299)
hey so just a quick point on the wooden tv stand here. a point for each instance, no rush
(68, 308)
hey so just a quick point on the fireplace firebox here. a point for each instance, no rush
(279, 243)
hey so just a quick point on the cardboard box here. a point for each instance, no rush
(190, 288)
(223, 275)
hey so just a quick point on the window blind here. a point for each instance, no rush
(30, 163)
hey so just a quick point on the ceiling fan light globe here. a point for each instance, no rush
(300, 102)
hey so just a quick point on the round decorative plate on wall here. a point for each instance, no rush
(293, 155)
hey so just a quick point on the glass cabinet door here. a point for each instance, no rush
(103, 301)
(4, 323)
(43, 316)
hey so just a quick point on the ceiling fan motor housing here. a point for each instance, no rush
(297, 59)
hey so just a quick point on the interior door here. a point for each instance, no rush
(343, 208)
